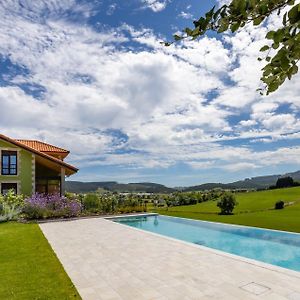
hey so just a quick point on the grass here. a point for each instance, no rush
(29, 268)
(254, 209)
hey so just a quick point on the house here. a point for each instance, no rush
(29, 166)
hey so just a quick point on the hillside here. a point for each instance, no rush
(253, 209)
(143, 187)
(260, 182)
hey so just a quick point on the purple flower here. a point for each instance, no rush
(42, 205)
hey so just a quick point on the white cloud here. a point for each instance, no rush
(156, 97)
(279, 121)
(41, 9)
(201, 164)
(247, 123)
(240, 166)
(223, 2)
(111, 9)
(155, 5)
(185, 15)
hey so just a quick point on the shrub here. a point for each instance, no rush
(40, 206)
(108, 204)
(10, 205)
(101, 203)
(279, 204)
(132, 209)
(91, 202)
(227, 204)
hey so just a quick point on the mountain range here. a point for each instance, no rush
(113, 186)
(260, 182)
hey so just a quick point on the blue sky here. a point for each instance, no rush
(92, 77)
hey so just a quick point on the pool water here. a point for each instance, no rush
(274, 247)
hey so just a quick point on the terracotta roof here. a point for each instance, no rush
(42, 154)
(42, 147)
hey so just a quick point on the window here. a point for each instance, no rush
(9, 163)
(5, 187)
(47, 186)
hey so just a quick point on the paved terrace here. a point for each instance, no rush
(106, 260)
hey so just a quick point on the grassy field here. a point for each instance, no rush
(254, 209)
(29, 268)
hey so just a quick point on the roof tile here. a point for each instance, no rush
(42, 147)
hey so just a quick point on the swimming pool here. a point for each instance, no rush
(274, 247)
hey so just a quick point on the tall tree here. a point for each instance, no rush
(284, 53)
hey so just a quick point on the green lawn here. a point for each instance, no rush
(254, 209)
(29, 269)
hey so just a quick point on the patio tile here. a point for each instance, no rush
(255, 288)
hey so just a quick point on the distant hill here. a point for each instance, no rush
(142, 187)
(260, 182)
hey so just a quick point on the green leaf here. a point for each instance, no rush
(195, 32)
(224, 26)
(284, 19)
(285, 63)
(188, 31)
(278, 35)
(257, 21)
(210, 14)
(263, 9)
(294, 69)
(273, 86)
(264, 48)
(177, 37)
(294, 14)
(270, 35)
(276, 71)
(217, 14)
(267, 72)
(234, 27)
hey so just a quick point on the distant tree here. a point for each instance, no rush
(285, 182)
(283, 55)
(279, 204)
(227, 203)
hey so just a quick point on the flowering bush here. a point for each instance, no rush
(10, 205)
(41, 206)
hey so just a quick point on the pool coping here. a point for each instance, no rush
(250, 261)
(107, 216)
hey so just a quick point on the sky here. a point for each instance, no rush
(93, 77)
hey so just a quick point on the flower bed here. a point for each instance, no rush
(40, 206)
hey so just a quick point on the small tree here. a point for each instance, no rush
(279, 204)
(227, 204)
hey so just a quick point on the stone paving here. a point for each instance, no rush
(108, 261)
